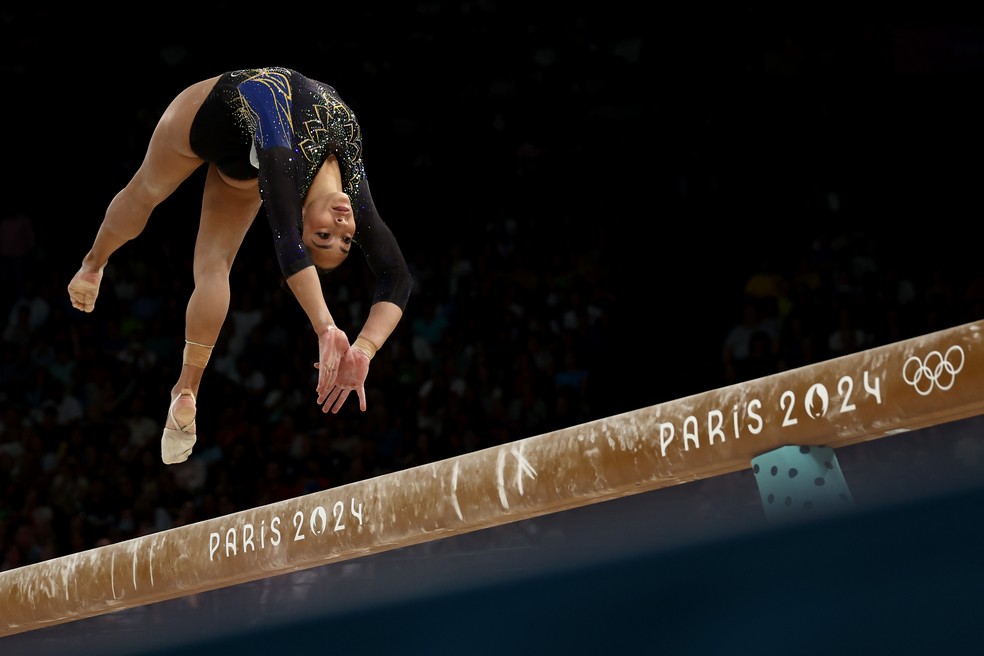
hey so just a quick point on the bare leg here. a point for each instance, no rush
(227, 213)
(168, 162)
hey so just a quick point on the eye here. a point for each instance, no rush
(347, 240)
(322, 235)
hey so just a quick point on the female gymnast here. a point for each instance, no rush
(276, 139)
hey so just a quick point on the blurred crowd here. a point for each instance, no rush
(487, 355)
(839, 295)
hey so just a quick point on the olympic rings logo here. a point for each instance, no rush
(936, 371)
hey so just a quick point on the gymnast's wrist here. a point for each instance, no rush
(366, 346)
(325, 329)
(90, 263)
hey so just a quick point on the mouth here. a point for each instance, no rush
(342, 208)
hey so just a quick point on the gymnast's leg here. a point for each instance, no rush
(228, 210)
(168, 162)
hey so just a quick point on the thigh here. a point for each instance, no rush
(169, 159)
(227, 213)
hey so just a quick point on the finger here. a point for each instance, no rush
(331, 399)
(362, 397)
(81, 301)
(326, 379)
(325, 384)
(340, 401)
(332, 374)
(320, 388)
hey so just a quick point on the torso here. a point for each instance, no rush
(276, 108)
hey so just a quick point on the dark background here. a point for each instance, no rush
(761, 109)
(650, 160)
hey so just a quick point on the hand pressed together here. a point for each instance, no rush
(352, 372)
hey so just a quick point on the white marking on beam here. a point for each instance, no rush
(454, 489)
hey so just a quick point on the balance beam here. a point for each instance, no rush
(923, 381)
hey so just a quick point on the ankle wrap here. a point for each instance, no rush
(196, 355)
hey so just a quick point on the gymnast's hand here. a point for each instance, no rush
(352, 374)
(332, 345)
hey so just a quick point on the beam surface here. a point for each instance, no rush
(928, 380)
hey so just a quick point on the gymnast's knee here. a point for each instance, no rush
(212, 271)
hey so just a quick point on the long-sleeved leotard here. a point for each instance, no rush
(280, 126)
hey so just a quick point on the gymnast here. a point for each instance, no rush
(275, 139)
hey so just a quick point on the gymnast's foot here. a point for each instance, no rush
(179, 430)
(182, 412)
(84, 288)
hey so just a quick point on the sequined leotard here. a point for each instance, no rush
(280, 126)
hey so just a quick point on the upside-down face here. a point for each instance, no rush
(329, 230)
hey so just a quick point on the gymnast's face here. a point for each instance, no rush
(329, 229)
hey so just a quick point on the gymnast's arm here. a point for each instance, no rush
(306, 287)
(393, 280)
(281, 200)
(393, 286)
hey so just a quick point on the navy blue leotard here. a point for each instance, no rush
(280, 126)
